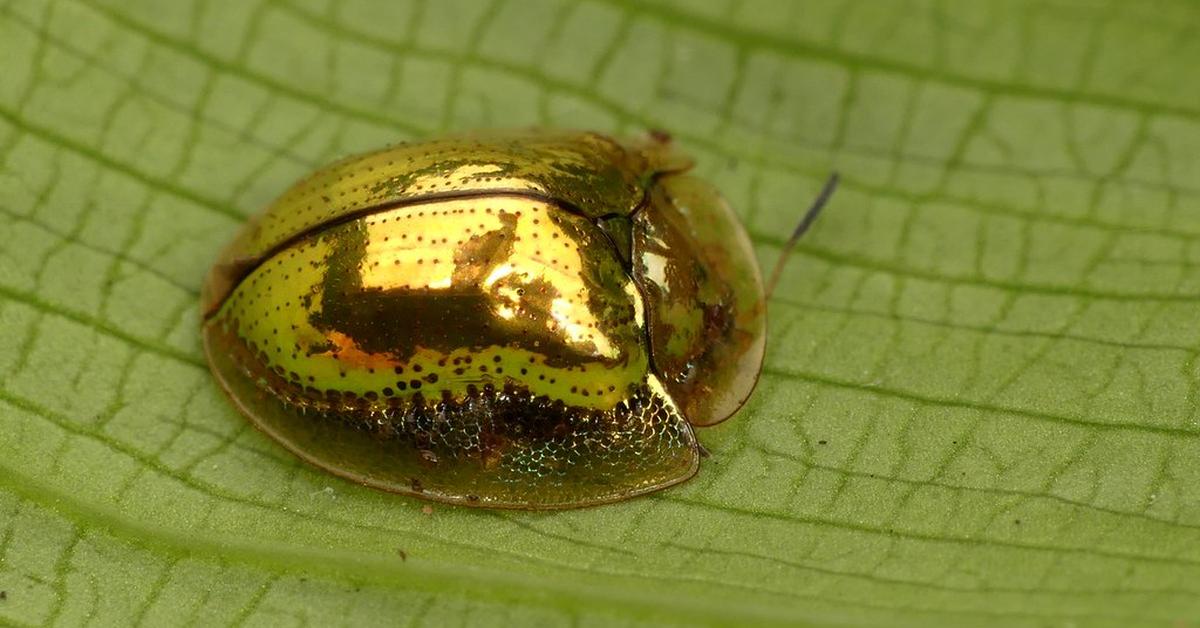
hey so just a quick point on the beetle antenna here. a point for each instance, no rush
(806, 222)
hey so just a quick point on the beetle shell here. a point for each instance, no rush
(523, 319)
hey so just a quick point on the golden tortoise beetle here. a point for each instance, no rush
(514, 319)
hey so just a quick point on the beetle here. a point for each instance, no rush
(513, 319)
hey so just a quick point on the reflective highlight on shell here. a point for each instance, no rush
(520, 319)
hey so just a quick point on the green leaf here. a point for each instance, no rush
(980, 402)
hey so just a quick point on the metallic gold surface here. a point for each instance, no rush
(509, 323)
(587, 172)
(442, 296)
(512, 319)
(501, 448)
(695, 266)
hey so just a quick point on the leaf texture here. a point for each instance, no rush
(979, 406)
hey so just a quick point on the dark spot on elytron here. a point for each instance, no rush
(400, 320)
(415, 384)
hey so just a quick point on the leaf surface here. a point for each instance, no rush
(979, 406)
